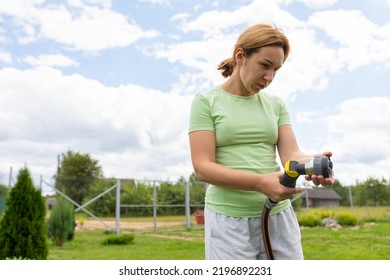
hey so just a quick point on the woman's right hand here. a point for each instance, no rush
(270, 186)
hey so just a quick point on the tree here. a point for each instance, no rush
(342, 191)
(61, 223)
(372, 192)
(3, 196)
(76, 173)
(22, 228)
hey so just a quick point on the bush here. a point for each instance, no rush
(310, 220)
(322, 214)
(347, 219)
(22, 228)
(61, 223)
(123, 239)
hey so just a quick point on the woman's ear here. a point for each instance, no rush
(239, 55)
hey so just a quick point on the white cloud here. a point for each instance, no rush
(5, 57)
(318, 4)
(356, 42)
(359, 137)
(50, 60)
(132, 131)
(255, 12)
(158, 2)
(359, 40)
(80, 3)
(90, 28)
(138, 132)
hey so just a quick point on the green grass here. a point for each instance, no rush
(370, 242)
(363, 243)
(87, 245)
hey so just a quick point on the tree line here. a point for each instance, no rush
(81, 178)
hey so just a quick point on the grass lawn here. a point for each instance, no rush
(363, 243)
(87, 245)
(368, 242)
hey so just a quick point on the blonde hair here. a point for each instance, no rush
(251, 40)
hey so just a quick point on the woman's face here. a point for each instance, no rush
(259, 69)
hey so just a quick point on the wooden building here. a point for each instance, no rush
(320, 197)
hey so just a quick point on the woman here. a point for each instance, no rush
(234, 132)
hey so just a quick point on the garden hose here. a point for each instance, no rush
(318, 165)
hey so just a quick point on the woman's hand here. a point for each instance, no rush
(271, 187)
(320, 180)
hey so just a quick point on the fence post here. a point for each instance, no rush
(154, 207)
(118, 206)
(307, 197)
(351, 197)
(187, 205)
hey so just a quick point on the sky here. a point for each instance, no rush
(115, 79)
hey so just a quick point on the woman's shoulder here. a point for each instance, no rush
(271, 98)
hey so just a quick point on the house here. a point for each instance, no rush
(320, 197)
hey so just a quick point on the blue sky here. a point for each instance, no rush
(115, 79)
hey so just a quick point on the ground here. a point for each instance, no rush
(94, 224)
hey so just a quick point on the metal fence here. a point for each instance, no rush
(118, 205)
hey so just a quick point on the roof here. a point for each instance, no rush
(323, 193)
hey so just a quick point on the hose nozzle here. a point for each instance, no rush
(318, 165)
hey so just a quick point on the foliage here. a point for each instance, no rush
(123, 239)
(347, 219)
(310, 220)
(61, 223)
(22, 228)
(372, 192)
(17, 259)
(76, 173)
(3, 196)
(3, 190)
(171, 194)
(323, 213)
(342, 191)
(136, 193)
(105, 205)
(140, 193)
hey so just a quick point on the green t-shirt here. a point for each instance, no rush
(246, 129)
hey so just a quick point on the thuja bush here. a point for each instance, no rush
(22, 227)
(61, 223)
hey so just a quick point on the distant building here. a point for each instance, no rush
(320, 197)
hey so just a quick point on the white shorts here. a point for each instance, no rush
(229, 238)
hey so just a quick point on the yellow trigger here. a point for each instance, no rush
(289, 172)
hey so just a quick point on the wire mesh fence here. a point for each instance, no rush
(129, 201)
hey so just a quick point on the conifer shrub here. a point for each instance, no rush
(22, 227)
(61, 223)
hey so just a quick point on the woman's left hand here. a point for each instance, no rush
(320, 180)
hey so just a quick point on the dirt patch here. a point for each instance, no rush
(94, 224)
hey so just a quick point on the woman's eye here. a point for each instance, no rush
(265, 66)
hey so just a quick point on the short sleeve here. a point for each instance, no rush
(284, 116)
(200, 115)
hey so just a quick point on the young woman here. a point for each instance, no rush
(234, 132)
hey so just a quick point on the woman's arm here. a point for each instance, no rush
(203, 147)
